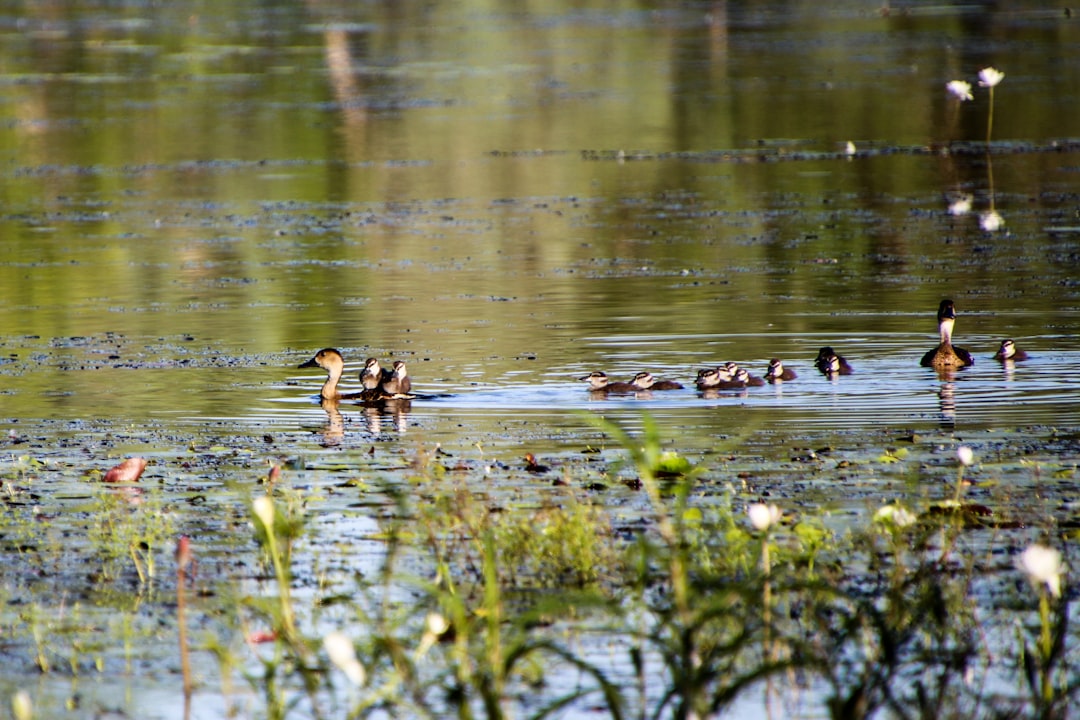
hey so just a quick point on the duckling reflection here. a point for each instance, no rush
(396, 411)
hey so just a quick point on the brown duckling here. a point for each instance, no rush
(1009, 351)
(373, 375)
(777, 372)
(399, 384)
(947, 355)
(646, 381)
(747, 379)
(829, 363)
(599, 383)
(712, 379)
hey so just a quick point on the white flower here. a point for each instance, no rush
(961, 205)
(960, 89)
(1042, 565)
(763, 516)
(340, 651)
(264, 510)
(989, 77)
(850, 148)
(434, 627)
(896, 515)
(436, 623)
(991, 221)
(21, 706)
(966, 455)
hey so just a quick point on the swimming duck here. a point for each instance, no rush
(646, 381)
(946, 355)
(399, 384)
(829, 363)
(331, 361)
(778, 372)
(1009, 351)
(599, 383)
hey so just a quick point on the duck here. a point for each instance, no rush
(599, 383)
(1009, 351)
(646, 381)
(946, 355)
(829, 363)
(777, 372)
(330, 360)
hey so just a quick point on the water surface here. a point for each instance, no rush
(195, 199)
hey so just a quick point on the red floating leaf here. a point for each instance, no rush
(127, 471)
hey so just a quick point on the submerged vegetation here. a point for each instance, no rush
(711, 596)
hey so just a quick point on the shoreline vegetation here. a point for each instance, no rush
(710, 595)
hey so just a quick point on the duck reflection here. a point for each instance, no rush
(335, 423)
(947, 402)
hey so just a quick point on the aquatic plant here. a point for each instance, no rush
(960, 89)
(1044, 661)
(183, 561)
(989, 78)
(292, 655)
(126, 524)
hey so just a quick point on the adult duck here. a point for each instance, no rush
(947, 355)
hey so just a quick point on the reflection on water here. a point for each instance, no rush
(947, 394)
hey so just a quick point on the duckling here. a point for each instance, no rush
(946, 355)
(399, 384)
(777, 372)
(373, 375)
(646, 381)
(829, 363)
(599, 383)
(532, 466)
(713, 379)
(330, 360)
(747, 379)
(1009, 351)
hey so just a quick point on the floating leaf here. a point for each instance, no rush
(127, 471)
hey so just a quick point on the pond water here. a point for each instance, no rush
(197, 197)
